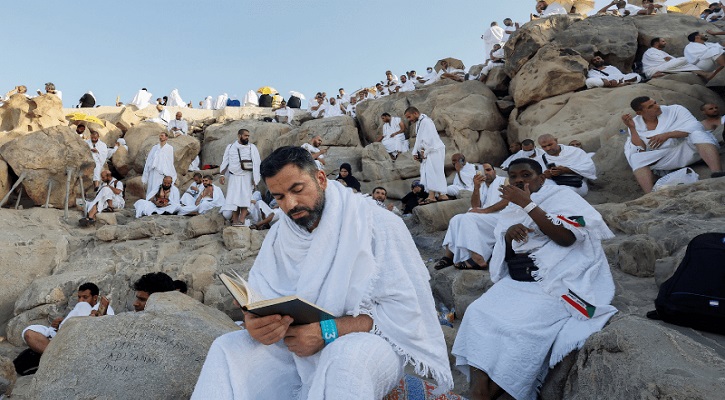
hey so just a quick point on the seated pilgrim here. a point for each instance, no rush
(528, 149)
(209, 196)
(414, 198)
(666, 138)
(283, 114)
(602, 74)
(567, 165)
(393, 137)
(345, 254)
(463, 177)
(707, 56)
(380, 195)
(552, 288)
(497, 60)
(261, 215)
(656, 62)
(178, 126)
(164, 201)
(109, 197)
(333, 109)
(346, 179)
(37, 337)
(469, 240)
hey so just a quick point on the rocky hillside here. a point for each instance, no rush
(44, 257)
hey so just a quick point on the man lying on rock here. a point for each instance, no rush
(469, 240)
(552, 288)
(602, 74)
(358, 261)
(37, 337)
(666, 138)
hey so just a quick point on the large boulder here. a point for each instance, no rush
(377, 166)
(335, 131)
(124, 119)
(672, 27)
(465, 114)
(435, 217)
(265, 135)
(43, 156)
(531, 37)
(614, 37)
(552, 71)
(20, 115)
(158, 352)
(633, 357)
(7, 375)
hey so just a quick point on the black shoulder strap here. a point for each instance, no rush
(543, 157)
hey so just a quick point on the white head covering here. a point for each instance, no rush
(175, 99)
(207, 103)
(221, 101)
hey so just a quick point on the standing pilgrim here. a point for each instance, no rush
(494, 35)
(99, 151)
(431, 152)
(159, 163)
(142, 99)
(241, 167)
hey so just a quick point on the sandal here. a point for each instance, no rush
(443, 263)
(428, 201)
(470, 265)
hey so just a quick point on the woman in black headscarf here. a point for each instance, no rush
(345, 177)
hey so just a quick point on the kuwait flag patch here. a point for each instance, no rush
(576, 220)
(579, 304)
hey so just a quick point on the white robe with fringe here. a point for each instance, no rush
(516, 331)
(432, 174)
(159, 163)
(360, 259)
(674, 153)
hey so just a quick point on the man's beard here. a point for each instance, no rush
(165, 187)
(313, 214)
(244, 141)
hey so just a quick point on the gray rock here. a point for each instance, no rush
(633, 357)
(7, 375)
(264, 135)
(158, 352)
(210, 222)
(435, 217)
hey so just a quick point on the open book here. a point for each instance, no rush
(302, 311)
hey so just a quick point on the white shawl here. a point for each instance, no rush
(221, 101)
(697, 52)
(251, 99)
(232, 163)
(673, 118)
(206, 105)
(161, 161)
(426, 136)
(360, 259)
(576, 160)
(175, 99)
(141, 99)
(582, 267)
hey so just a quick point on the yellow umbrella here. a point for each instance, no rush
(638, 3)
(94, 120)
(76, 116)
(673, 9)
(267, 90)
(692, 7)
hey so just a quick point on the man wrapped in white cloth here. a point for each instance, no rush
(405, 85)
(430, 151)
(332, 109)
(666, 138)
(110, 196)
(567, 165)
(469, 240)
(206, 104)
(221, 101)
(544, 9)
(463, 177)
(358, 261)
(193, 191)
(260, 213)
(656, 62)
(164, 116)
(284, 114)
(159, 163)
(705, 55)
(178, 126)
(210, 197)
(603, 75)
(240, 167)
(313, 146)
(38, 337)
(393, 137)
(99, 151)
(175, 99)
(493, 36)
(552, 288)
(164, 201)
(142, 99)
(447, 72)
(251, 99)
(528, 150)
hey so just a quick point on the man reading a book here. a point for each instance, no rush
(355, 260)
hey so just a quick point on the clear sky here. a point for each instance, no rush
(205, 48)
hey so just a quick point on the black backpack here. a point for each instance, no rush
(695, 295)
(294, 102)
(26, 363)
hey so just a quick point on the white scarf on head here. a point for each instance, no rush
(360, 259)
(576, 160)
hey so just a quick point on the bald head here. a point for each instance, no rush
(316, 141)
(549, 144)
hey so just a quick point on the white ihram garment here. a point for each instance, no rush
(359, 260)
(703, 55)
(206, 203)
(536, 153)
(473, 232)
(332, 111)
(159, 163)
(518, 330)
(240, 183)
(105, 193)
(99, 158)
(674, 153)
(396, 144)
(493, 36)
(146, 207)
(432, 174)
(206, 104)
(142, 99)
(595, 77)
(82, 309)
(462, 180)
(221, 101)
(312, 149)
(175, 99)
(180, 124)
(578, 161)
(653, 61)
